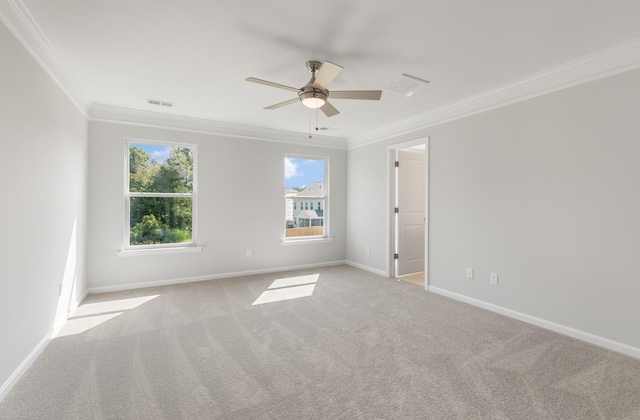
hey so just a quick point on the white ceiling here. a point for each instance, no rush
(197, 53)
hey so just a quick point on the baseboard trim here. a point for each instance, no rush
(559, 328)
(28, 361)
(78, 302)
(169, 282)
(57, 326)
(367, 268)
(24, 366)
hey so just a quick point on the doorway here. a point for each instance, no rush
(409, 205)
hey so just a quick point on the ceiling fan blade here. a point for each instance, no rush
(281, 104)
(327, 73)
(329, 110)
(276, 85)
(373, 95)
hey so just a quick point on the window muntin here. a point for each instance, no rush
(160, 195)
(307, 177)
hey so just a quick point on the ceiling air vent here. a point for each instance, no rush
(160, 103)
(405, 84)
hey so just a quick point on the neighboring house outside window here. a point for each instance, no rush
(160, 194)
(306, 221)
(308, 216)
(290, 205)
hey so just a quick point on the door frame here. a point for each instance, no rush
(391, 203)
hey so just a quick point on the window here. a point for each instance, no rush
(160, 194)
(307, 176)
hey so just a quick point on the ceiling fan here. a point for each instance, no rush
(315, 93)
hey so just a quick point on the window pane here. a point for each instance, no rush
(160, 220)
(304, 180)
(156, 168)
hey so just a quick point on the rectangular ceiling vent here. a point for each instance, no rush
(160, 103)
(405, 84)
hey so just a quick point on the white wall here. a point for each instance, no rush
(368, 208)
(544, 192)
(43, 185)
(240, 206)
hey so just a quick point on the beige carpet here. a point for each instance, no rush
(331, 343)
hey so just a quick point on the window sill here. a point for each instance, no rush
(159, 251)
(305, 241)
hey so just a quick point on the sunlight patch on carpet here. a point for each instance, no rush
(91, 315)
(288, 289)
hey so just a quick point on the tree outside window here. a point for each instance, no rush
(160, 194)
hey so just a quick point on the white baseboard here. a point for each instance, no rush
(169, 282)
(561, 329)
(57, 326)
(77, 303)
(367, 268)
(28, 361)
(24, 366)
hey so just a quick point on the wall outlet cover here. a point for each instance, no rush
(493, 278)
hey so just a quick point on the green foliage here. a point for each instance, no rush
(175, 236)
(151, 231)
(176, 173)
(148, 231)
(155, 220)
(140, 174)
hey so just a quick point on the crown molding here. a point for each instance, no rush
(119, 115)
(18, 19)
(617, 59)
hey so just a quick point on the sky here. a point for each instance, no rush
(159, 153)
(302, 172)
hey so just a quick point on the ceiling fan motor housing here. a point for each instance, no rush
(309, 92)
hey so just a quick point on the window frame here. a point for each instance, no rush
(129, 194)
(325, 198)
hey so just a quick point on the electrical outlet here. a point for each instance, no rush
(368, 249)
(469, 272)
(493, 279)
(248, 253)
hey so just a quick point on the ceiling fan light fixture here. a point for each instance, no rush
(313, 103)
(313, 99)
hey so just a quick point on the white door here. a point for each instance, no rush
(411, 220)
